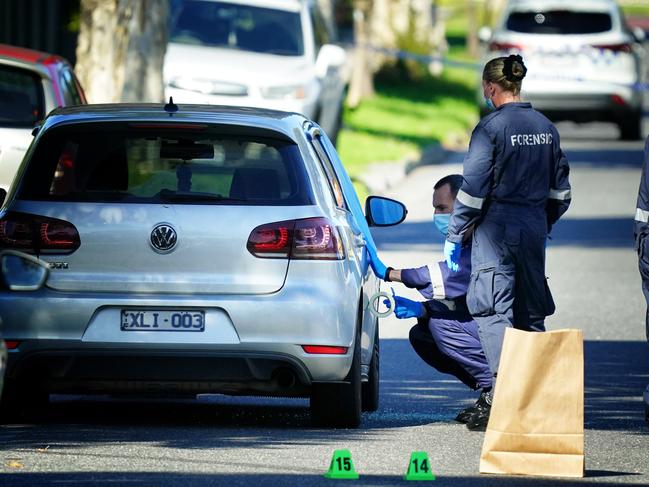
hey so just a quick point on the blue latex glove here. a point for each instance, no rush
(378, 267)
(406, 308)
(452, 254)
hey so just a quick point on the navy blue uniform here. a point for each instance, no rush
(642, 229)
(515, 188)
(448, 340)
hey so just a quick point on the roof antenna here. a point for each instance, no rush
(171, 107)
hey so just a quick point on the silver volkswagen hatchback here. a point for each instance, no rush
(193, 249)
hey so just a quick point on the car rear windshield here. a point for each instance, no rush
(559, 22)
(21, 97)
(234, 26)
(144, 163)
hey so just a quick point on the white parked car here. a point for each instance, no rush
(32, 84)
(260, 53)
(584, 63)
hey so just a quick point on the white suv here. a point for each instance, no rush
(268, 54)
(584, 63)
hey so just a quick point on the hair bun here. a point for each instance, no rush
(514, 69)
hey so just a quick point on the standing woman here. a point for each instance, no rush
(515, 188)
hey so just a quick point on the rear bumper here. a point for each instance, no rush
(581, 107)
(75, 340)
(67, 368)
(583, 100)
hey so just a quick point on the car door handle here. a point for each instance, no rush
(359, 241)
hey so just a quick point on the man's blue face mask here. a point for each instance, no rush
(441, 221)
(489, 103)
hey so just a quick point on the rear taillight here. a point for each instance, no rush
(628, 48)
(311, 239)
(618, 100)
(504, 46)
(273, 240)
(12, 344)
(324, 349)
(37, 233)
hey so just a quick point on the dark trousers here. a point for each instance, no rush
(452, 346)
(645, 291)
(508, 287)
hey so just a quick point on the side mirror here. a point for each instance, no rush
(384, 212)
(484, 34)
(639, 34)
(22, 272)
(330, 55)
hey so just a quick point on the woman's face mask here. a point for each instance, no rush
(487, 97)
(441, 221)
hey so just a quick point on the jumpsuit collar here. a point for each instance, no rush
(515, 104)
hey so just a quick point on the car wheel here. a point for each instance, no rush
(631, 127)
(338, 404)
(19, 401)
(370, 400)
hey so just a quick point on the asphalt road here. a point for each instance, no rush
(243, 441)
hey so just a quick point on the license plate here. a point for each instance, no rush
(148, 320)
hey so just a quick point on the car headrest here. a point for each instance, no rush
(252, 183)
(16, 106)
(110, 173)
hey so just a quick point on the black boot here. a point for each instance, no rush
(464, 415)
(479, 419)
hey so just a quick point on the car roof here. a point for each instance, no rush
(274, 120)
(29, 56)
(289, 5)
(578, 5)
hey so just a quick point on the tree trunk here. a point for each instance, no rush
(472, 27)
(327, 7)
(121, 48)
(361, 84)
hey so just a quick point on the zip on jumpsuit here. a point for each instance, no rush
(641, 230)
(448, 339)
(516, 187)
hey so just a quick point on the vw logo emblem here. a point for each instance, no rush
(163, 238)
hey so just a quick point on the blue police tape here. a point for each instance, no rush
(353, 203)
(429, 59)
(422, 58)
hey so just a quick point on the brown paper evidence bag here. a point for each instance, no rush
(536, 426)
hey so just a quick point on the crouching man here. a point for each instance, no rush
(445, 336)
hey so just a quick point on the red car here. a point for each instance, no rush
(32, 84)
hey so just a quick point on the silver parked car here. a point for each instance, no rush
(18, 272)
(193, 249)
(584, 63)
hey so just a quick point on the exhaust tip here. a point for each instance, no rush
(284, 377)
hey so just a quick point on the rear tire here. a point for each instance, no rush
(370, 399)
(20, 401)
(338, 404)
(631, 127)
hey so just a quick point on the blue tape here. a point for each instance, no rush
(353, 203)
(427, 59)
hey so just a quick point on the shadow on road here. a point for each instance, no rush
(616, 374)
(605, 157)
(579, 232)
(412, 394)
(298, 479)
